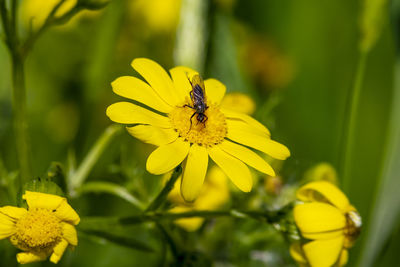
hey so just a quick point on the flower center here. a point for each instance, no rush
(353, 228)
(206, 129)
(39, 228)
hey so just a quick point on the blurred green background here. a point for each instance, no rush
(296, 59)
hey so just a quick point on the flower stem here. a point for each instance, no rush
(351, 123)
(8, 21)
(20, 120)
(162, 196)
(267, 216)
(76, 179)
(264, 216)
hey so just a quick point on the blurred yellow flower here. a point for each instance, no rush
(180, 137)
(213, 195)
(266, 63)
(322, 171)
(239, 102)
(36, 11)
(326, 218)
(47, 228)
(273, 184)
(159, 15)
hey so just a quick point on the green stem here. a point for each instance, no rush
(206, 214)
(10, 28)
(162, 196)
(168, 238)
(5, 23)
(20, 117)
(77, 178)
(351, 123)
(264, 216)
(113, 189)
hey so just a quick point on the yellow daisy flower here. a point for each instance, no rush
(329, 221)
(224, 135)
(213, 195)
(47, 228)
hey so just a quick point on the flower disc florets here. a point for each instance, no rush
(39, 228)
(208, 133)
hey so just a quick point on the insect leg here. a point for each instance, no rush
(189, 106)
(191, 117)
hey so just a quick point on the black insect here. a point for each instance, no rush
(198, 96)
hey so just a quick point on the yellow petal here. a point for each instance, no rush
(297, 253)
(188, 224)
(215, 190)
(238, 102)
(235, 169)
(135, 89)
(158, 79)
(194, 172)
(66, 213)
(243, 134)
(13, 212)
(229, 113)
(313, 192)
(152, 134)
(28, 257)
(215, 90)
(69, 233)
(319, 220)
(180, 77)
(58, 251)
(7, 226)
(174, 195)
(323, 253)
(128, 113)
(247, 156)
(57, 204)
(42, 200)
(344, 257)
(216, 177)
(167, 157)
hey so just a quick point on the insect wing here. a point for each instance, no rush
(198, 87)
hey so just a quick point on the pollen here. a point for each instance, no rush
(208, 133)
(38, 229)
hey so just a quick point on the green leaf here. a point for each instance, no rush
(386, 209)
(120, 240)
(44, 186)
(76, 179)
(113, 189)
(56, 174)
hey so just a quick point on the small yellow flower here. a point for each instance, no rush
(35, 12)
(47, 228)
(329, 221)
(225, 136)
(213, 195)
(159, 15)
(321, 172)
